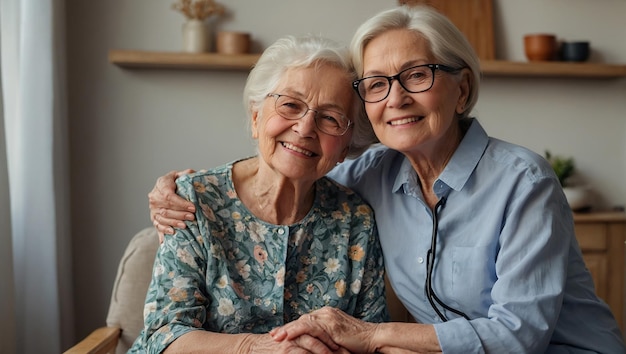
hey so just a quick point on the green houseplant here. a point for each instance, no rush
(564, 167)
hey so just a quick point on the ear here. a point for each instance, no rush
(255, 124)
(464, 91)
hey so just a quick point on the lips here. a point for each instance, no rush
(298, 149)
(405, 120)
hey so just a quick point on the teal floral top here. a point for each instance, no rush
(231, 272)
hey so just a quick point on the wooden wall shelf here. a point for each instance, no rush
(179, 60)
(552, 69)
(496, 68)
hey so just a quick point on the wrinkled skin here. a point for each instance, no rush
(332, 326)
(167, 209)
(264, 344)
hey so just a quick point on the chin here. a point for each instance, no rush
(400, 142)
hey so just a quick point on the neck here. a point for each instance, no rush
(430, 163)
(272, 198)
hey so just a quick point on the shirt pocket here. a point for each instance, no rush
(473, 275)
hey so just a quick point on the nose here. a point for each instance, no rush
(397, 94)
(306, 125)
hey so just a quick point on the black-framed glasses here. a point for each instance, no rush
(327, 121)
(415, 79)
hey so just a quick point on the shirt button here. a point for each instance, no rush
(281, 231)
(420, 260)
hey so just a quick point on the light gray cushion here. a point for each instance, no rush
(131, 284)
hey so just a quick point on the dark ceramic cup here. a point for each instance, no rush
(575, 51)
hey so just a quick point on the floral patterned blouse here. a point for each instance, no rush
(231, 272)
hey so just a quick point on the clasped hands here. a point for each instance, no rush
(339, 332)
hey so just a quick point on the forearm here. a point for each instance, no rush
(398, 337)
(210, 342)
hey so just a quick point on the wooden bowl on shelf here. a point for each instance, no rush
(540, 46)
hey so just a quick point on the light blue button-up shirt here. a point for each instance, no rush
(506, 251)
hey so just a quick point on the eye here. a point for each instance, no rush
(416, 74)
(291, 104)
(330, 118)
(375, 84)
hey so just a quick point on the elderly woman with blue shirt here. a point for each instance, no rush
(477, 236)
(273, 238)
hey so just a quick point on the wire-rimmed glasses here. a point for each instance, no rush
(327, 121)
(415, 79)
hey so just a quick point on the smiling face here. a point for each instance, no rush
(297, 149)
(422, 123)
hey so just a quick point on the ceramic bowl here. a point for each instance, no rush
(540, 46)
(575, 51)
(229, 42)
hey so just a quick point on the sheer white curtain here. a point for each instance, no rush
(35, 197)
(7, 296)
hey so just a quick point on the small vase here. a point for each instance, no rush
(195, 36)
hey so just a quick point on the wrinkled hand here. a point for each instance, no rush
(168, 209)
(333, 327)
(304, 344)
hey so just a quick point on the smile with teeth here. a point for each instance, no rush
(297, 149)
(406, 120)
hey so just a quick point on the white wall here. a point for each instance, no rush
(130, 126)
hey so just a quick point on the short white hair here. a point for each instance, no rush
(301, 52)
(447, 43)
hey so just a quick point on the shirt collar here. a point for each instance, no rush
(457, 171)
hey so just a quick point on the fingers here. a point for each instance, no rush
(168, 199)
(331, 326)
(167, 209)
(342, 350)
(166, 225)
(305, 325)
(303, 345)
(164, 183)
(163, 194)
(314, 345)
(183, 172)
(162, 229)
(172, 218)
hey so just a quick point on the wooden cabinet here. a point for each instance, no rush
(602, 239)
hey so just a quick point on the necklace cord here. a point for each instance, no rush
(430, 265)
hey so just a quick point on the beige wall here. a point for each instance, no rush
(128, 127)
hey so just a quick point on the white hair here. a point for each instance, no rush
(447, 43)
(301, 52)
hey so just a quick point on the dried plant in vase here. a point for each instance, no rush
(195, 36)
(198, 9)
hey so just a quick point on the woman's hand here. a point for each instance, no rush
(332, 327)
(168, 209)
(304, 344)
(197, 341)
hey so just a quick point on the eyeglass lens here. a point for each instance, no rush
(415, 79)
(327, 121)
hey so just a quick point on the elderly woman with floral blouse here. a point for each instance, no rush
(273, 238)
